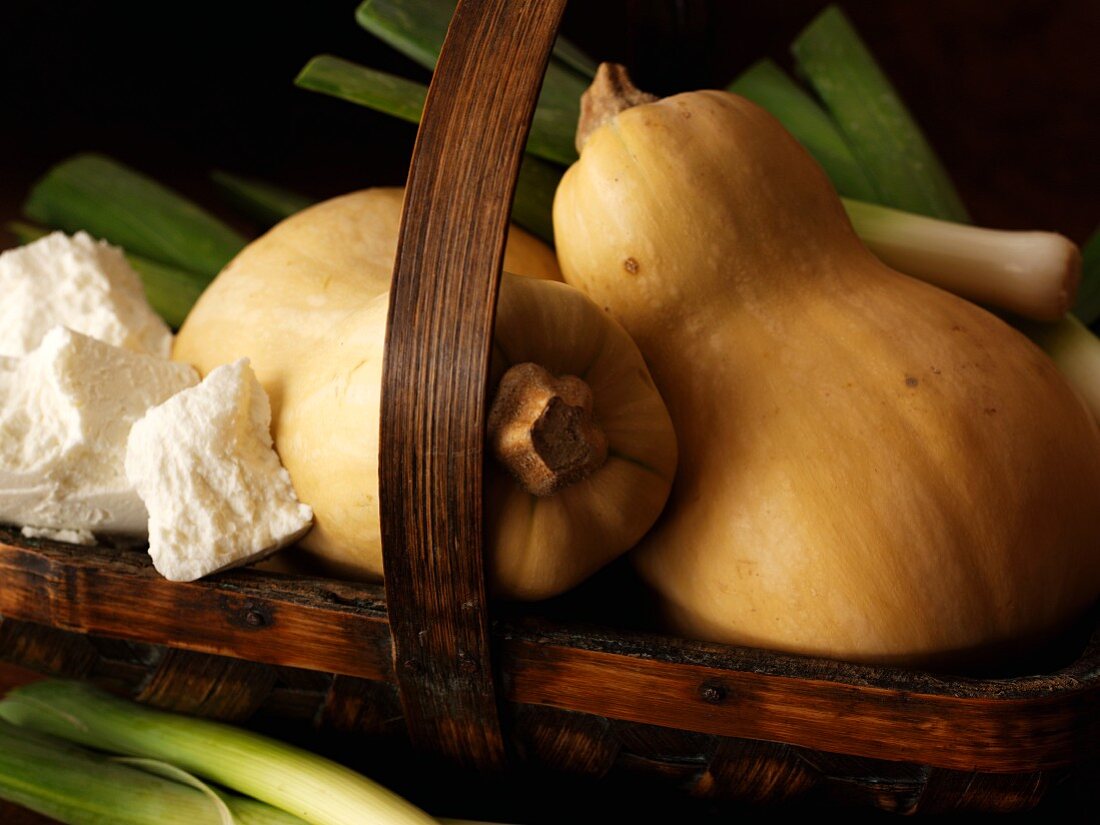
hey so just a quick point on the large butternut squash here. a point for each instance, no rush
(870, 468)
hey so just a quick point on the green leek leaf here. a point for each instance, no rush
(316, 789)
(381, 91)
(78, 787)
(1088, 294)
(404, 99)
(881, 132)
(263, 202)
(767, 85)
(416, 28)
(26, 232)
(111, 201)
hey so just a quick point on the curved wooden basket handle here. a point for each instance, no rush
(442, 310)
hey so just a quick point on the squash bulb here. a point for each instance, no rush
(307, 303)
(871, 469)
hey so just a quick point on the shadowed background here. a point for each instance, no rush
(1003, 88)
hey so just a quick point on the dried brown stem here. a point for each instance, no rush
(610, 93)
(541, 428)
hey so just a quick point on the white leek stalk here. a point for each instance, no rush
(301, 783)
(1031, 274)
(77, 787)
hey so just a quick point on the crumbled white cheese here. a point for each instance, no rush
(205, 465)
(65, 413)
(77, 282)
(68, 536)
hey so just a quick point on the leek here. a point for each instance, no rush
(417, 28)
(1087, 307)
(315, 789)
(404, 99)
(767, 85)
(1032, 274)
(381, 91)
(882, 134)
(78, 787)
(26, 232)
(1076, 351)
(263, 202)
(171, 292)
(109, 200)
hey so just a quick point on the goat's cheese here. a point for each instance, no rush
(65, 414)
(205, 465)
(84, 537)
(77, 282)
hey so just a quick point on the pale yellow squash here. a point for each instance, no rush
(870, 468)
(307, 304)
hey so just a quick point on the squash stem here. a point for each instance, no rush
(610, 93)
(542, 429)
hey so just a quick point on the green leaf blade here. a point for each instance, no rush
(534, 201)
(404, 99)
(767, 85)
(381, 91)
(263, 202)
(108, 200)
(417, 28)
(882, 134)
(72, 785)
(1087, 308)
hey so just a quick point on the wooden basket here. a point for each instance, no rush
(424, 657)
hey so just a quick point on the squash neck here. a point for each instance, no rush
(611, 92)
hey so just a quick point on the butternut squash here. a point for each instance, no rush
(871, 468)
(584, 447)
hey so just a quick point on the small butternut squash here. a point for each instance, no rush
(871, 468)
(584, 448)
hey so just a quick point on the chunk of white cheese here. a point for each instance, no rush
(65, 414)
(205, 465)
(77, 282)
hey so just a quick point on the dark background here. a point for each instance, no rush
(1007, 90)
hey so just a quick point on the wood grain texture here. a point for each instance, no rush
(994, 731)
(1048, 721)
(263, 617)
(442, 308)
(354, 718)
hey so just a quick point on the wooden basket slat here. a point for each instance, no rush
(117, 593)
(571, 743)
(458, 200)
(989, 732)
(220, 687)
(1000, 725)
